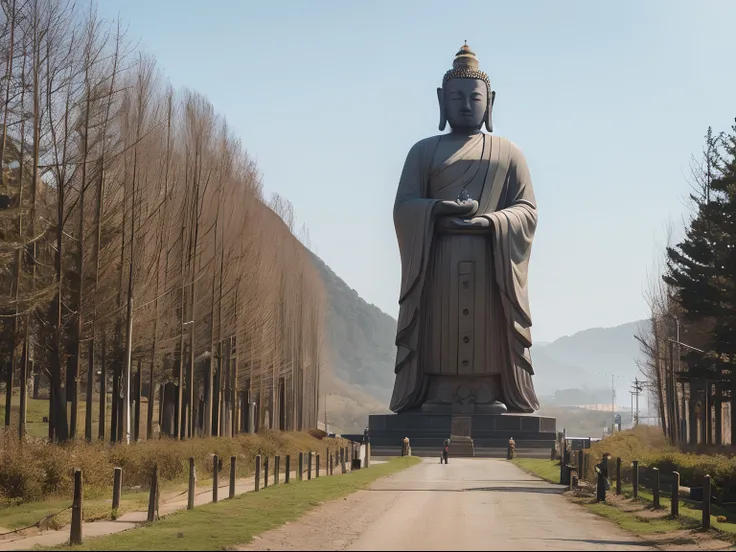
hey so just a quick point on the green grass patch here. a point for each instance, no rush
(549, 470)
(237, 521)
(634, 521)
(691, 514)
(37, 409)
(57, 512)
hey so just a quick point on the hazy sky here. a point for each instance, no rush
(608, 101)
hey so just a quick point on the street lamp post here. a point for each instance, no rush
(679, 344)
(675, 429)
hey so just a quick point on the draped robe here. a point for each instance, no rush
(434, 334)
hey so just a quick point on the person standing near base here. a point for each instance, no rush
(511, 451)
(445, 451)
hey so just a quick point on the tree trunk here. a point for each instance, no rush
(137, 398)
(151, 395)
(90, 390)
(103, 390)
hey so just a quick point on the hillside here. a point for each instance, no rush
(359, 339)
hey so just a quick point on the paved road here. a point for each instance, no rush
(470, 504)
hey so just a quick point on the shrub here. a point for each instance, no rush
(647, 445)
(35, 469)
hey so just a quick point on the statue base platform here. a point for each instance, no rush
(461, 447)
(489, 433)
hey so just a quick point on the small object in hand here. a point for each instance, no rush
(464, 197)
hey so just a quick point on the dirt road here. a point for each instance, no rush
(470, 504)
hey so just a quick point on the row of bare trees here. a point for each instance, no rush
(137, 250)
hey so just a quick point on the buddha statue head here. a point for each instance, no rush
(465, 98)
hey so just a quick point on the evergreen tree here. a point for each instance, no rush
(692, 265)
(702, 267)
(724, 218)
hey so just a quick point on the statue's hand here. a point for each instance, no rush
(454, 208)
(475, 223)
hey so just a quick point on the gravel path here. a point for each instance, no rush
(471, 504)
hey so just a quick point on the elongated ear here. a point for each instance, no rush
(443, 115)
(489, 112)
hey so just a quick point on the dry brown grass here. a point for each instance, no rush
(36, 470)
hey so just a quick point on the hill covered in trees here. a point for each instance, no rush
(359, 355)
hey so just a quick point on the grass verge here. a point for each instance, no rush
(237, 521)
(549, 470)
(638, 515)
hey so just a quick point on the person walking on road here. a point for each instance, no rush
(511, 451)
(445, 451)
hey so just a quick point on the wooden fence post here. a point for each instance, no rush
(618, 475)
(287, 469)
(581, 468)
(573, 479)
(636, 477)
(316, 467)
(117, 485)
(192, 484)
(215, 478)
(600, 486)
(265, 472)
(675, 495)
(655, 489)
(75, 536)
(233, 475)
(300, 471)
(258, 472)
(564, 461)
(276, 469)
(706, 502)
(309, 467)
(153, 495)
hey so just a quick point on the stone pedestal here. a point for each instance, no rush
(461, 447)
(476, 434)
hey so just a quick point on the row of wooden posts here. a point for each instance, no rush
(340, 459)
(655, 484)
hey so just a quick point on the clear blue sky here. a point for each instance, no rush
(607, 100)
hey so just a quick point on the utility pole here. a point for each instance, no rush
(613, 405)
(673, 409)
(631, 393)
(635, 393)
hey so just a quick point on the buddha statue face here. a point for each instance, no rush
(466, 102)
(466, 99)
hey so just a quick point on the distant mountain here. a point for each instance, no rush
(359, 341)
(588, 358)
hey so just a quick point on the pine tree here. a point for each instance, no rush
(692, 272)
(724, 217)
(702, 267)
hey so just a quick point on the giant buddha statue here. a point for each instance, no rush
(465, 216)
